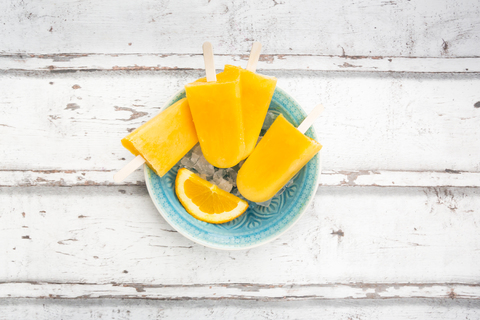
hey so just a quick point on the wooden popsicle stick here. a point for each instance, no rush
(310, 119)
(254, 56)
(209, 64)
(128, 169)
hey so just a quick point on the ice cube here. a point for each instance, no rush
(194, 158)
(223, 178)
(210, 170)
(231, 176)
(281, 191)
(237, 193)
(186, 162)
(225, 185)
(265, 203)
(203, 166)
(197, 150)
(220, 173)
(231, 173)
(188, 155)
(217, 179)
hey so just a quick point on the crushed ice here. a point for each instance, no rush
(196, 162)
(226, 179)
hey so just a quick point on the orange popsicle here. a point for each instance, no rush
(256, 93)
(277, 158)
(217, 114)
(164, 139)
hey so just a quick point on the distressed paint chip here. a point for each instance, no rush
(339, 233)
(135, 114)
(348, 65)
(452, 171)
(72, 106)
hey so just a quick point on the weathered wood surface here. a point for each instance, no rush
(400, 82)
(239, 291)
(354, 28)
(375, 126)
(62, 242)
(373, 178)
(422, 309)
(100, 235)
(97, 62)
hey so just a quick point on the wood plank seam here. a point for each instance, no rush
(138, 62)
(342, 178)
(239, 291)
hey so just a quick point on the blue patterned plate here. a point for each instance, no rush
(258, 225)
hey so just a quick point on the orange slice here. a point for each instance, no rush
(206, 201)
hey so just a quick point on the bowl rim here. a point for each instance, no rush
(262, 242)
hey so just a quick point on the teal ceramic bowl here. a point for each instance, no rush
(258, 225)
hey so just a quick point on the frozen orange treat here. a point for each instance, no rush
(256, 93)
(217, 114)
(281, 153)
(164, 139)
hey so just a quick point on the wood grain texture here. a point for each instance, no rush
(373, 123)
(349, 235)
(362, 178)
(394, 228)
(354, 28)
(424, 309)
(239, 291)
(135, 62)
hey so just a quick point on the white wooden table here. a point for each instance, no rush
(394, 232)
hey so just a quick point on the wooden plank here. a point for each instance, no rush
(238, 291)
(349, 235)
(363, 178)
(395, 309)
(385, 122)
(135, 62)
(355, 28)
(445, 178)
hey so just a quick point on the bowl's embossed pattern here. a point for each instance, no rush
(258, 224)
